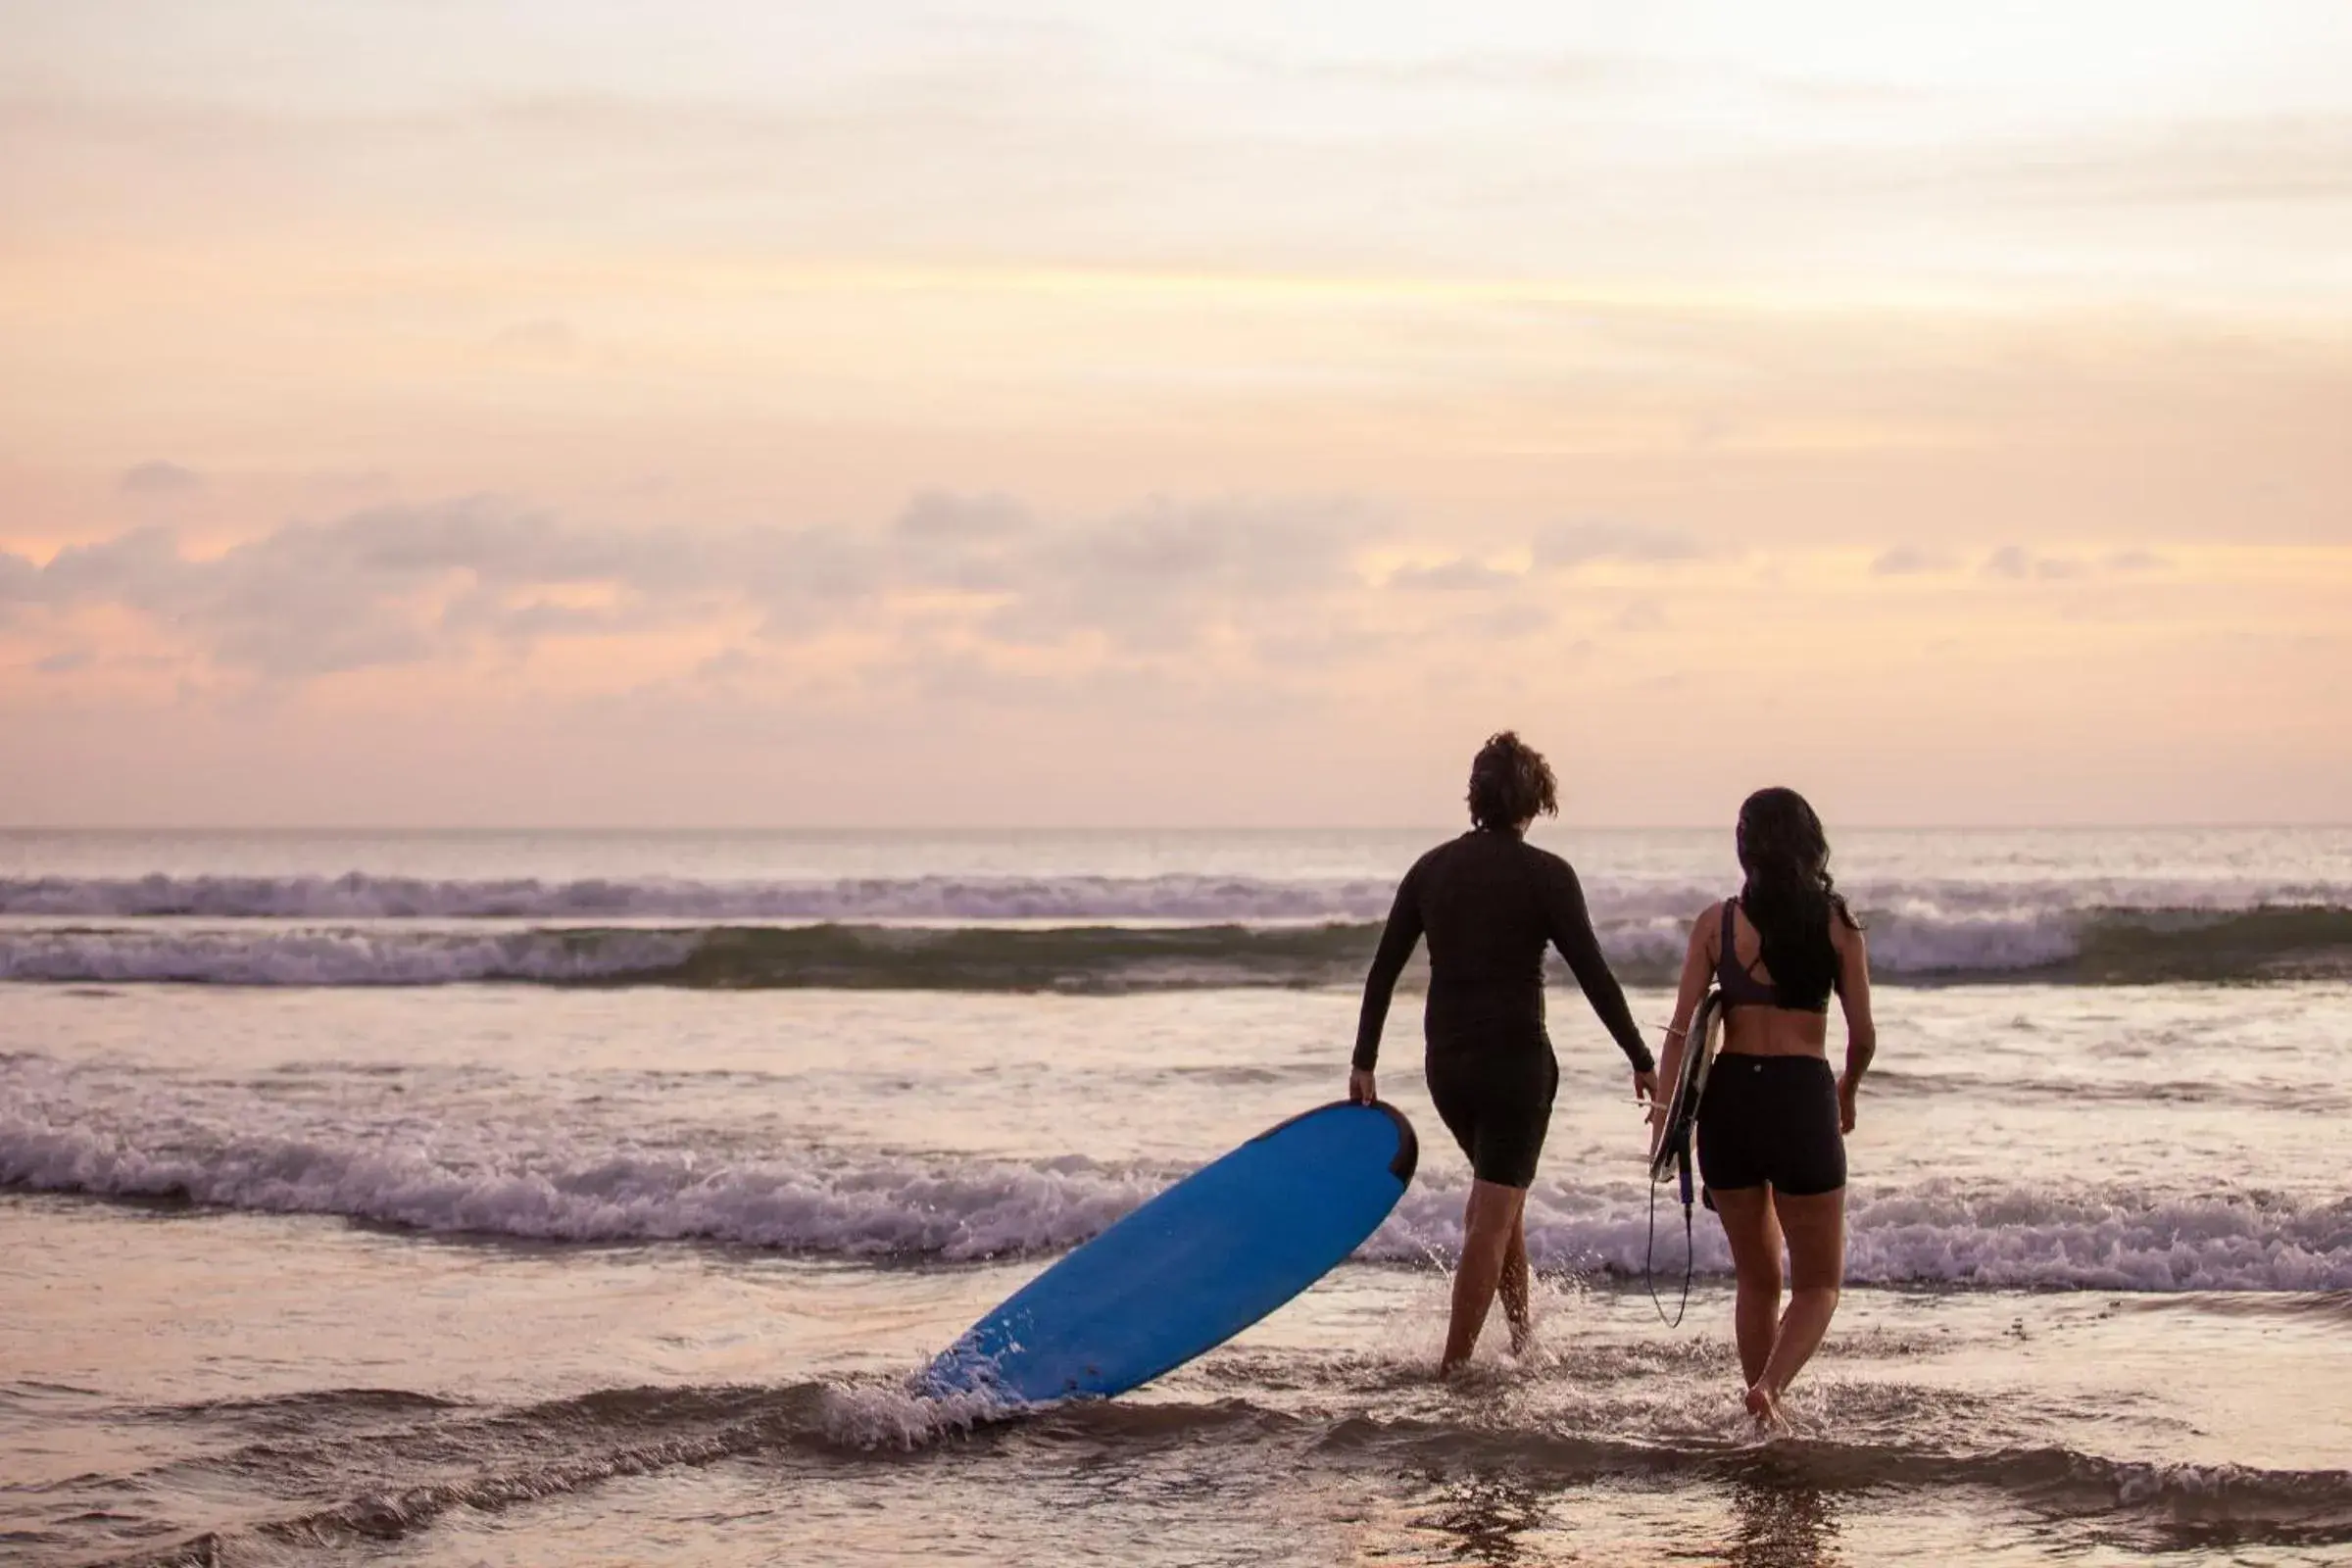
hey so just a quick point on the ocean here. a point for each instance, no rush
(589, 1198)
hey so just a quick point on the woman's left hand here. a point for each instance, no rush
(1361, 1088)
(1846, 1104)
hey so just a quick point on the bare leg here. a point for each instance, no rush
(1754, 1236)
(1515, 1285)
(1816, 1230)
(1488, 1221)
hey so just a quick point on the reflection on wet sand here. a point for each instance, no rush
(1781, 1524)
(1771, 1520)
(1488, 1516)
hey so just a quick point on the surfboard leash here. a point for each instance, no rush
(1683, 1178)
(1650, 1258)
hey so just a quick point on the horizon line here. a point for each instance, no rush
(779, 829)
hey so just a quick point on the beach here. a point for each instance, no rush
(456, 1198)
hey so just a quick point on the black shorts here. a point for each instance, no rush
(1497, 1104)
(1770, 1119)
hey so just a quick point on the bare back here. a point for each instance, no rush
(1766, 1029)
(1758, 1029)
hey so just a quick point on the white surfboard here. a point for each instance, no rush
(1672, 1155)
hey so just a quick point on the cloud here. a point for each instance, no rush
(1515, 622)
(67, 662)
(1909, 560)
(965, 543)
(1324, 642)
(936, 516)
(1457, 575)
(2017, 564)
(159, 478)
(1564, 547)
(1471, 627)
(1160, 575)
(400, 584)
(20, 581)
(395, 585)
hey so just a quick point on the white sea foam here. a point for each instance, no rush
(876, 1206)
(1985, 1237)
(962, 1208)
(348, 957)
(890, 1414)
(380, 954)
(362, 897)
(1185, 896)
(341, 930)
(1972, 943)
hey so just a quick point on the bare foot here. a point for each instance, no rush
(1451, 1371)
(1765, 1407)
(1523, 1334)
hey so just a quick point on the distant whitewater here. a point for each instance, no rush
(1951, 901)
(1094, 913)
(358, 895)
(2094, 946)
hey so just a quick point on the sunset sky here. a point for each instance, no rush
(855, 414)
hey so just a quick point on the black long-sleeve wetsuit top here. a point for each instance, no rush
(1489, 903)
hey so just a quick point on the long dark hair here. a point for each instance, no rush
(1790, 896)
(1510, 783)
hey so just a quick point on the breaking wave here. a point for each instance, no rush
(1190, 898)
(360, 896)
(2110, 947)
(965, 1208)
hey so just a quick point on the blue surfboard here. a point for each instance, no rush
(1194, 1266)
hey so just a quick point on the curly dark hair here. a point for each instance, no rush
(1509, 783)
(1790, 894)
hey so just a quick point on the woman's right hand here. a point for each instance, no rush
(1360, 1089)
(1846, 1087)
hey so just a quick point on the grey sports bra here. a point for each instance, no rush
(1740, 987)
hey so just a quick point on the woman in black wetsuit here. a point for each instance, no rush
(1489, 901)
(1770, 1129)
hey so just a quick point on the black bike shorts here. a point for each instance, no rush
(1771, 1120)
(1497, 1104)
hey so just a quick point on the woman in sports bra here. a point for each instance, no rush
(1772, 1125)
